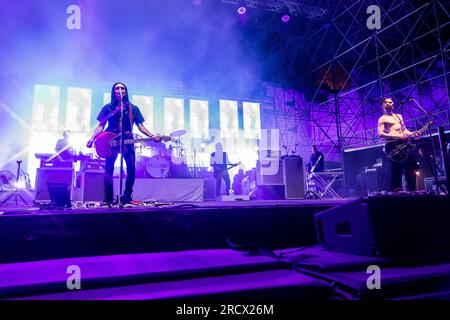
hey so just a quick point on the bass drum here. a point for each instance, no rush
(158, 167)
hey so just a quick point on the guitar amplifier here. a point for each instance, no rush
(47, 175)
(431, 185)
(294, 183)
(92, 187)
(209, 189)
(269, 172)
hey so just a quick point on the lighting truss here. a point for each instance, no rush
(294, 8)
(349, 68)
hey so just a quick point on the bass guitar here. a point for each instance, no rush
(106, 143)
(219, 173)
(398, 150)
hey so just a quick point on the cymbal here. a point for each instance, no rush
(178, 133)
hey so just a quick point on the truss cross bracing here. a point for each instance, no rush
(350, 68)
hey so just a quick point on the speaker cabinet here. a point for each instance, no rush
(92, 187)
(47, 175)
(269, 172)
(209, 189)
(294, 183)
(405, 226)
(368, 182)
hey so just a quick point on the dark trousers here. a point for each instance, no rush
(408, 168)
(226, 177)
(130, 160)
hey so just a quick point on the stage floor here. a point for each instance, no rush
(11, 207)
(210, 250)
(28, 233)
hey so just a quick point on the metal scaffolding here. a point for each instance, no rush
(294, 8)
(352, 68)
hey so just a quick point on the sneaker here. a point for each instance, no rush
(125, 199)
(109, 203)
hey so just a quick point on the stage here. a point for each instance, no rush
(248, 250)
(28, 233)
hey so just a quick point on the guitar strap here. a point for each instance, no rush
(130, 113)
(402, 124)
(105, 119)
(113, 112)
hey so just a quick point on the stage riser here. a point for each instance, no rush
(51, 236)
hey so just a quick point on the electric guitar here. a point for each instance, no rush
(315, 164)
(219, 173)
(398, 150)
(106, 142)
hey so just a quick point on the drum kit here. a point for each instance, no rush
(156, 160)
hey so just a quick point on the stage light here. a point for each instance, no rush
(173, 114)
(285, 18)
(20, 184)
(242, 10)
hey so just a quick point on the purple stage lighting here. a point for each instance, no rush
(242, 10)
(285, 18)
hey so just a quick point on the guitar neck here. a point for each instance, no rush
(423, 129)
(132, 141)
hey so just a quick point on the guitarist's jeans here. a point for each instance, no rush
(130, 159)
(225, 177)
(408, 168)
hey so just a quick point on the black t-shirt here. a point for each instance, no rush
(107, 115)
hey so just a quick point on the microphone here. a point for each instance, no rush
(121, 96)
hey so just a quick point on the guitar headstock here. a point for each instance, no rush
(427, 125)
(166, 138)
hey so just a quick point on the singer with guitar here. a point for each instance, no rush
(111, 117)
(221, 164)
(392, 128)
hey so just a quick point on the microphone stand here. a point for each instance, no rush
(195, 163)
(435, 169)
(119, 200)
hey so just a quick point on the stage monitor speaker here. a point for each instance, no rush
(47, 175)
(92, 186)
(404, 226)
(59, 194)
(294, 183)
